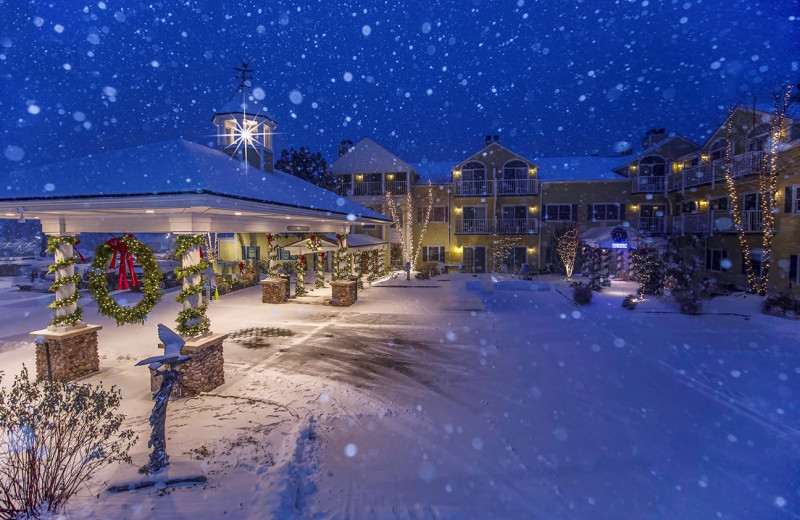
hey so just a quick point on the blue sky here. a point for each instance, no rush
(427, 80)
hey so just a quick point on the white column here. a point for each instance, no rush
(65, 251)
(190, 258)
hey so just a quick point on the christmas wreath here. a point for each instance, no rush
(127, 249)
(619, 235)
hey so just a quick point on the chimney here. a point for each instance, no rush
(653, 136)
(344, 147)
(487, 140)
(497, 139)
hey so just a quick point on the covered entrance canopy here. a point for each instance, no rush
(178, 187)
(355, 243)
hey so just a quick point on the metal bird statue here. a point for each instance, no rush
(172, 356)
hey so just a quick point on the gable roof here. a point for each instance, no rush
(367, 156)
(487, 147)
(173, 168)
(681, 145)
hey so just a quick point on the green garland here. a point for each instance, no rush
(201, 325)
(339, 268)
(300, 268)
(75, 316)
(319, 276)
(98, 288)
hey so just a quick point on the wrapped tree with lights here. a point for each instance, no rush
(404, 225)
(567, 247)
(769, 173)
(501, 248)
(647, 268)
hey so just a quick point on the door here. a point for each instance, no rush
(651, 218)
(514, 220)
(475, 219)
(480, 260)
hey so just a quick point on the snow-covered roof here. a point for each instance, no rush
(434, 171)
(367, 156)
(328, 242)
(577, 168)
(170, 168)
(680, 144)
(243, 101)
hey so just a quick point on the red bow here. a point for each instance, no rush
(322, 256)
(76, 250)
(125, 263)
(339, 238)
(269, 239)
(303, 261)
(241, 267)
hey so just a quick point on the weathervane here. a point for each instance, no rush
(172, 356)
(244, 70)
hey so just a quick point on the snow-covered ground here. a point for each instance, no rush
(457, 397)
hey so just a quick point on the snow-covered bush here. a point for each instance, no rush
(426, 270)
(53, 436)
(629, 302)
(784, 304)
(582, 293)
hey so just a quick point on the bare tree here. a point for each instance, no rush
(567, 247)
(403, 222)
(769, 173)
(501, 247)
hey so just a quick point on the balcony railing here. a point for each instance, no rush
(652, 224)
(473, 188)
(516, 186)
(395, 187)
(474, 226)
(692, 223)
(752, 221)
(516, 226)
(698, 175)
(649, 184)
(744, 164)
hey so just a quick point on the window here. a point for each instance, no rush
(794, 276)
(515, 170)
(559, 212)
(652, 166)
(369, 226)
(792, 202)
(756, 258)
(720, 203)
(718, 150)
(473, 171)
(433, 254)
(758, 138)
(251, 253)
(605, 211)
(717, 260)
(689, 206)
(284, 254)
(438, 214)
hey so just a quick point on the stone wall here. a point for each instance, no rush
(274, 290)
(72, 353)
(202, 373)
(343, 294)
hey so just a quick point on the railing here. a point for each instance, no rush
(474, 226)
(361, 189)
(652, 224)
(752, 221)
(516, 226)
(473, 188)
(649, 184)
(516, 186)
(395, 187)
(697, 175)
(696, 223)
(749, 163)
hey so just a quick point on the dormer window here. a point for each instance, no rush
(652, 166)
(757, 139)
(717, 150)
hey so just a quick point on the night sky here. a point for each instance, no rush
(425, 79)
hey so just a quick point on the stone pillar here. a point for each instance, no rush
(65, 355)
(62, 252)
(343, 294)
(274, 290)
(202, 373)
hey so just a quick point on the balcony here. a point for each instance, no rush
(473, 188)
(692, 223)
(474, 226)
(516, 186)
(749, 163)
(371, 188)
(652, 225)
(752, 221)
(698, 175)
(516, 226)
(649, 184)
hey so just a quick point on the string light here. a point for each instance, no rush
(410, 253)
